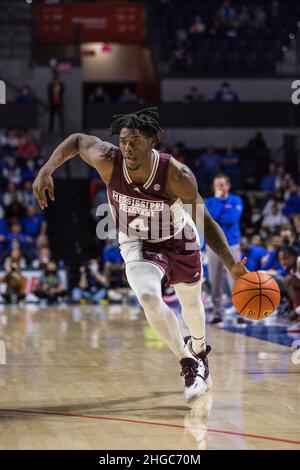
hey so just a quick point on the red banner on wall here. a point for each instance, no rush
(111, 22)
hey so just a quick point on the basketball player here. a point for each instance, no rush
(142, 183)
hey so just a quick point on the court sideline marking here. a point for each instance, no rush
(152, 423)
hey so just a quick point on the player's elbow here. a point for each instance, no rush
(74, 139)
(83, 142)
(79, 138)
(76, 136)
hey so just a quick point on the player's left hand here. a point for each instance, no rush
(42, 183)
(239, 269)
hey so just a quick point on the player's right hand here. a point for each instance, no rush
(239, 269)
(42, 183)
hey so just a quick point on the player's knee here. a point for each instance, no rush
(149, 300)
(190, 298)
(195, 304)
(192, 305)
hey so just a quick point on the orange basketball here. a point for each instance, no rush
(256, 295)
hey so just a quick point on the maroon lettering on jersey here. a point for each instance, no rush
(144, 211)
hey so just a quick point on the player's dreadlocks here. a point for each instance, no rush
(144, 120)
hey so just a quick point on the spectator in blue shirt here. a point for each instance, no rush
(230, 163)
(230, 160)
(16, 239)
(25, 95)
(226, 209)
(209, 161)
(113, 263)
(29, 171)
(3, 232)
(270, 262)
(27, 195)
(16, 235)
(11, 172)
(34, 224)
(292, 206)
(111, 253)
(227, 13)
(226, 95)
(254, 254)
(208, 165)
(268, 181)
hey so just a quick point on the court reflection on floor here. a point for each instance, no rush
(196, 422)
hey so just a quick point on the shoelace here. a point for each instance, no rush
(189, 373)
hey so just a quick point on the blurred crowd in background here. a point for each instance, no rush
(269, 221)
(110, 93)
(228, 35)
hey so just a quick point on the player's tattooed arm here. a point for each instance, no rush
(181, 183)
(95, 152)
(91, 149)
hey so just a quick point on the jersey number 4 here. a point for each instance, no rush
(138, 224)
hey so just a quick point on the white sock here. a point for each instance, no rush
(193, 313)
(198, 345)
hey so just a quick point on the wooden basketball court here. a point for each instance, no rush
(99, 378)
